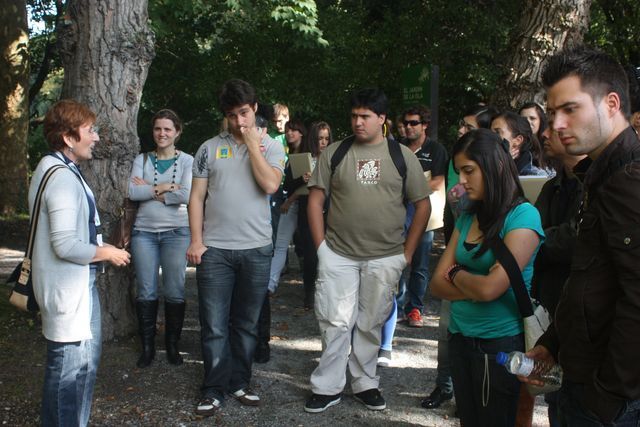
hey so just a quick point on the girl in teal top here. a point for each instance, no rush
(484, 315)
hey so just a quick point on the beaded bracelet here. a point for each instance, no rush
(453, 271)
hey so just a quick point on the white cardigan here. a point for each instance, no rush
(61, 254)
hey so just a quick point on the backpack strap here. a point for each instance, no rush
(340, 152)
(395, 151)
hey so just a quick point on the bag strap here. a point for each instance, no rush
(340, 152)
(510, 265)
(33, 225)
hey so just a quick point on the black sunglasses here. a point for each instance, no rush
(412, 122)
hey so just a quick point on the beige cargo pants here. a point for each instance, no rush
(353, 300)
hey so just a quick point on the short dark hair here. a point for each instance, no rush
(166, 113)
(418, 110)
(236, 92)
(64, 118)
(598, 72)
(502, 189)
(372, 99)
(520, 126)
(483, 113)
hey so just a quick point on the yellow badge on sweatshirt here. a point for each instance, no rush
(224, 152)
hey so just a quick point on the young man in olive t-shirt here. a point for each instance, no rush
(363, 253)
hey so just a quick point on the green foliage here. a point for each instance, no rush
(301, 16)
(614, 28)
(50, 93)
(311, 54)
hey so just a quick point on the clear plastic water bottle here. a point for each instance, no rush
(519, 364)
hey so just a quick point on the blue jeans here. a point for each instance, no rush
(486, 394)
(70, 373)
(572, 411)
(286, 227)
(152, 251)
(389, 328)
(411, 292)
(232, 285)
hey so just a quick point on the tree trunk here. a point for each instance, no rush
(106, 48)
(14, 107)
(546, 27)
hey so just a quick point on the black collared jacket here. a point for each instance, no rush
(596, 333)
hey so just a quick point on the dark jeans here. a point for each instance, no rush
(264, 322)
(552, 400)
(415, 279)
(443, 376)
(277, 199)
(232, 285)
(486, 394)
(573, 413)
(310, 256)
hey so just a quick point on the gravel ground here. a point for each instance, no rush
(165, 395)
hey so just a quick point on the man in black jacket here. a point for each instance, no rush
(595, 333)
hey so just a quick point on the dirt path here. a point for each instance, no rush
(166, 395)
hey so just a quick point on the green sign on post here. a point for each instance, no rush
(420, 86)
(416, 85)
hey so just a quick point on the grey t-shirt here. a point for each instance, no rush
(237, 212)
(366, 213)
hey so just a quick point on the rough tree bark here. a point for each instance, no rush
(106, 48)
(14, 107)
(546, 27)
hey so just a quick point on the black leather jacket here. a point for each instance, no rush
(596, 333)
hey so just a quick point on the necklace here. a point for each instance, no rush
(155, 172)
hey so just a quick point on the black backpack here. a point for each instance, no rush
(394, 151)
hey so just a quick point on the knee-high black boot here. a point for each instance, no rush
(174, 318)
(147, 312)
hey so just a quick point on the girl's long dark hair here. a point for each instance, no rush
(502, 189)
(310, 143)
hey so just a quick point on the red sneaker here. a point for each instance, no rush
(414, 318)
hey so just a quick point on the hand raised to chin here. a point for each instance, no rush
(250, 136)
